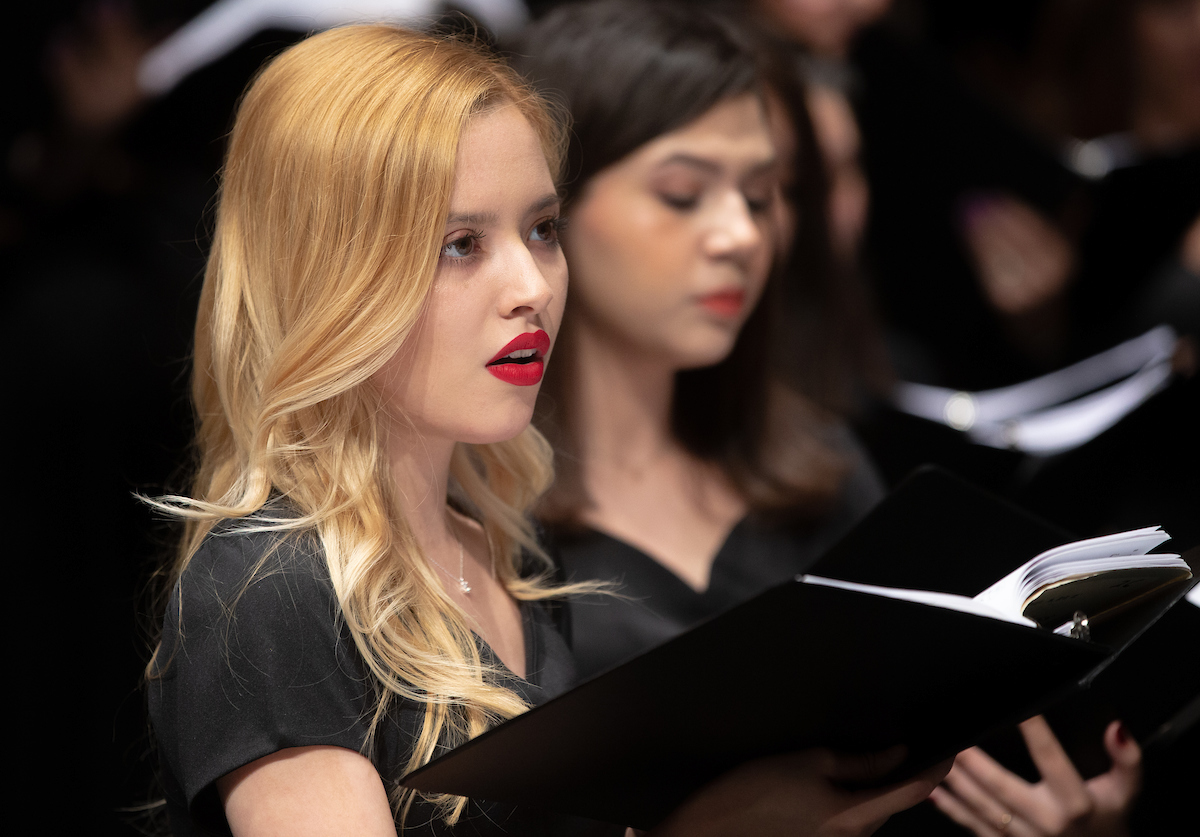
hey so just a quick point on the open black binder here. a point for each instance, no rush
(796, 667)
(1153, 689)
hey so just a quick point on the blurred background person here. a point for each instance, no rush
(1001, 243)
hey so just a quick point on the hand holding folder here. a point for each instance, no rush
(979, 794)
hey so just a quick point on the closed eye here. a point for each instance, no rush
(757, 203)
(680, 201)
(760, 189)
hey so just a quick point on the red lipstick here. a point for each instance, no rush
(725, 303)
(523, 360)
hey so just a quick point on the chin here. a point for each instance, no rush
(707, 352)
(501, 425)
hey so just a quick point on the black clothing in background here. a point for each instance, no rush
(929, 143)
(102, 246)
(653, 604)
(1138, 218)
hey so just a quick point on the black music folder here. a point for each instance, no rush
(798, 666)
(1154, 688)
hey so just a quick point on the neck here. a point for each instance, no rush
(640, 484)
(620, 402)
(420, 473)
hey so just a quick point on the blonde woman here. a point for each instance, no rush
(358, 586)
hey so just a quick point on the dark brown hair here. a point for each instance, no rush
(629, 72)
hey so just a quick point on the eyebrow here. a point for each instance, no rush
(682, 158)
(544, 202)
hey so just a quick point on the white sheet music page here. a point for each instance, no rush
(1116, 553)
(948, 601)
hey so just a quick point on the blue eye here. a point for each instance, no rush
(462, 247)
(547, 230)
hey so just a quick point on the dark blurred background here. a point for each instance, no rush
(104, 195)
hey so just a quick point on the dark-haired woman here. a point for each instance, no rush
(690, 468)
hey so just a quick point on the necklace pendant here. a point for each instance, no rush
(466, 588)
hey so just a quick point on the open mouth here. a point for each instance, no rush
(522, 361)
(519, 356)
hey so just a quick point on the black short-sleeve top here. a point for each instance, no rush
(255, 659)
(655, 605)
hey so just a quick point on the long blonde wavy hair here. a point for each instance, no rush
(333, 200)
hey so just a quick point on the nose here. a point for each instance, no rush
(527, 287)
(734, 232)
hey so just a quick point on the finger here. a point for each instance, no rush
(1004, 228)
(992, 250)
(1014, 277)
(1037, 238)
(1010, 789)
(1122, 747)
(877, 805)
(980, 800)
(1036, 805)
(1023, 226)
(1053, 763)
(1002, 276)
(961, 813)
(1115, 789)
